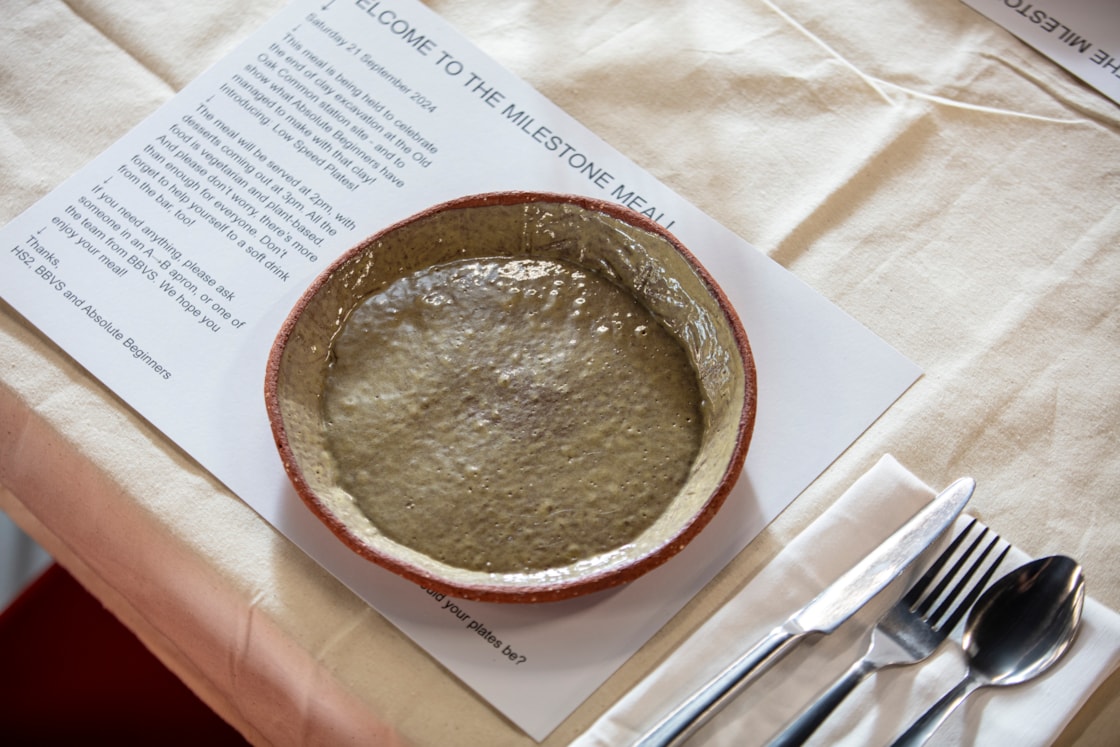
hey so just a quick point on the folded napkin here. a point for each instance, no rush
(888, 701)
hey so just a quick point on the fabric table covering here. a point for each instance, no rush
(942, 182)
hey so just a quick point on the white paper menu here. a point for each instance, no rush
(167, 265)
(1083, 36)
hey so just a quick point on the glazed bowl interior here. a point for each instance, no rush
(630, 251)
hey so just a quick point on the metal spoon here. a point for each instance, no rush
(1020, 626)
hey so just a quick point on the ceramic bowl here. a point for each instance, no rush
(630, 250)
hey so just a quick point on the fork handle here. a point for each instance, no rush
(807, 722)
(687, 718)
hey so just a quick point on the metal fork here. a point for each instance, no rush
(909, 632)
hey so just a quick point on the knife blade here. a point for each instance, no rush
(838, 602)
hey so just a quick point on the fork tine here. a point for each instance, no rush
(918, 589)
(924, 608)
(969, 599)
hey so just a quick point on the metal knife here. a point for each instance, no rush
(824, 614)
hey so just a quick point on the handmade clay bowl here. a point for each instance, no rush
(637, 258)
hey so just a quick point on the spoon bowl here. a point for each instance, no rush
(1019, 628)
(1027, 623)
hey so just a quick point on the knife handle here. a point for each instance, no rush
(684, 720)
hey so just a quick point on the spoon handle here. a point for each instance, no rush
(927, 724)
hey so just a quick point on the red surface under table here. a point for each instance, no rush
(70, 673)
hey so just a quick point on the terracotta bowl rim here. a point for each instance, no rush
(568, 587)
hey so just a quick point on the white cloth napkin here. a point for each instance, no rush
(886, 703)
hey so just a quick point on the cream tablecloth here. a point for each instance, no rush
(934, 177)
